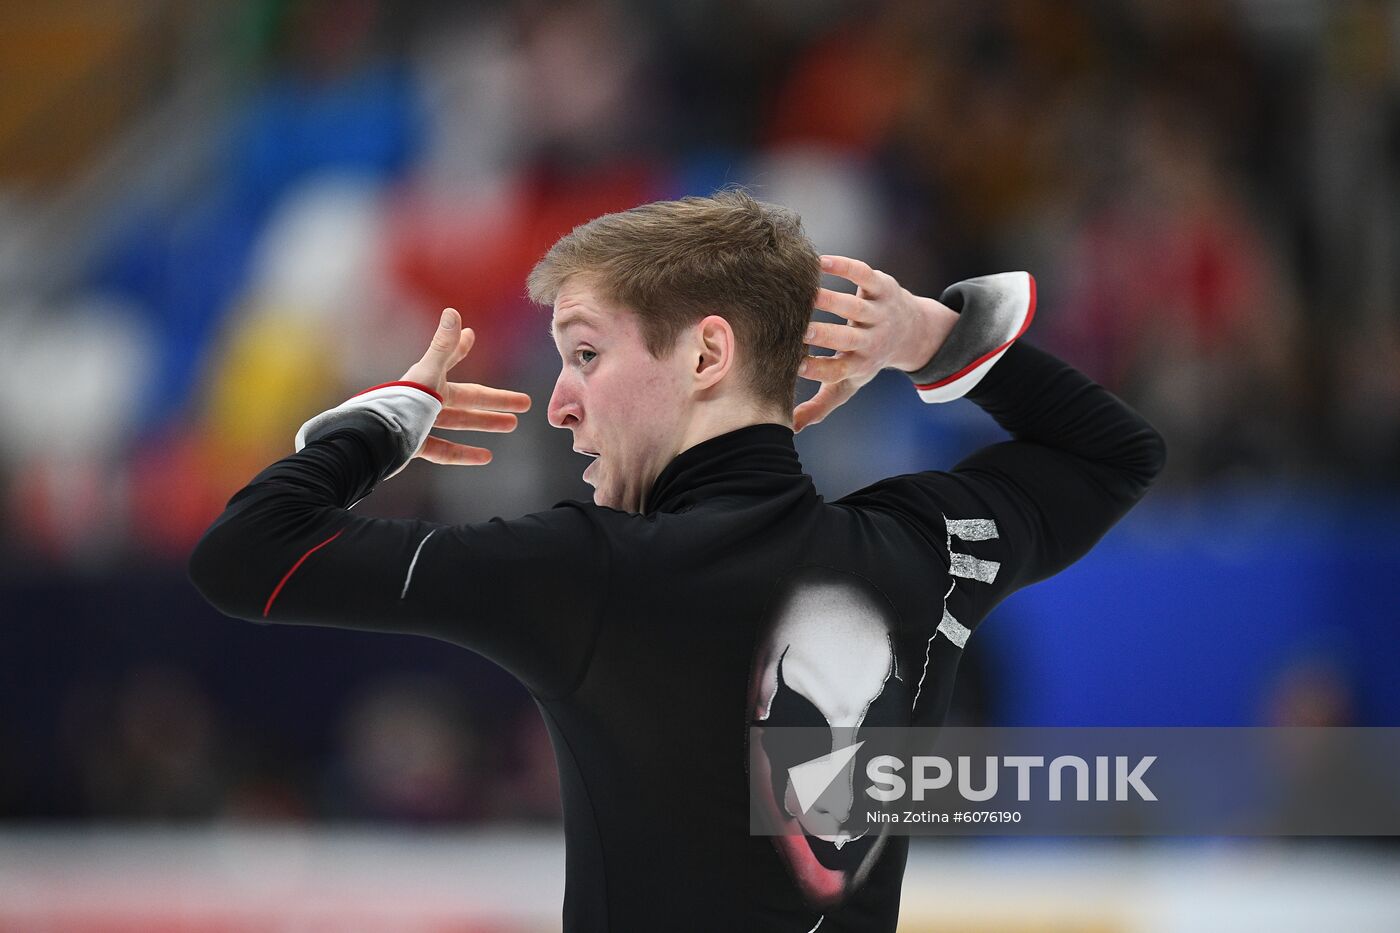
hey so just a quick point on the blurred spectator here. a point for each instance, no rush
(1177, 300)
(148, 747)
(409, 752)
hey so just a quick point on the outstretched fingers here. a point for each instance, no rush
(466, 406)
(437, 450)
(826, 368)
(472, 395)
(855, 342)
(828, 398)
(464, 346)
(474, 419)
(872, 282)
(850, 307)
(450, 344)
(834, 336)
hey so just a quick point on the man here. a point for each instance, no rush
(707, 587)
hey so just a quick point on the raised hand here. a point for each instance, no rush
(887, 326)
(466, 406)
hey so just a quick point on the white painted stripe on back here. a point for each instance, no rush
(973, 568)
(954, 630)
(971, 529)
(928, 649)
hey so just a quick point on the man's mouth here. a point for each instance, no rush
(588, 453)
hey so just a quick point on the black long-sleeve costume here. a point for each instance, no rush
(636, 633)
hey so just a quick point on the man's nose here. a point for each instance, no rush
(563, 405)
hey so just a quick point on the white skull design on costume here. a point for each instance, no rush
(827, 668)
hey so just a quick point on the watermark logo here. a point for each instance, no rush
(935, 773)
(811, 779)
(1149, 781)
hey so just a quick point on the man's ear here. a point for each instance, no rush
(714, 350)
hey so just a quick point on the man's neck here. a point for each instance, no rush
(703, 428)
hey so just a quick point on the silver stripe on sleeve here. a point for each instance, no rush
(413, 563)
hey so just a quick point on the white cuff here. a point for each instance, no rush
(407, 409)
(993, 312)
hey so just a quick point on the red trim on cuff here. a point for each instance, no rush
(285, 577)
(412, 385)
(1030, 313)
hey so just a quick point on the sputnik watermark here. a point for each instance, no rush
(834, 784)
(934, 773)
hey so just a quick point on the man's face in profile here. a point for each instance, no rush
(620, 402)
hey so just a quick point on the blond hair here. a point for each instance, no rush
(674, 262)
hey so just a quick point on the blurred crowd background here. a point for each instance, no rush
(218, 219)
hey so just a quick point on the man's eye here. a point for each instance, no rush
(579, 355)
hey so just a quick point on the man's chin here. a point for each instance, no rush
(609, 499)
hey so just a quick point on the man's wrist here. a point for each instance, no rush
(933, 322)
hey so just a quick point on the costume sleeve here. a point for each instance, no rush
(1019, 511)
(525, 593)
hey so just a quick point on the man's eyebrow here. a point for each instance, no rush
(566, 322)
